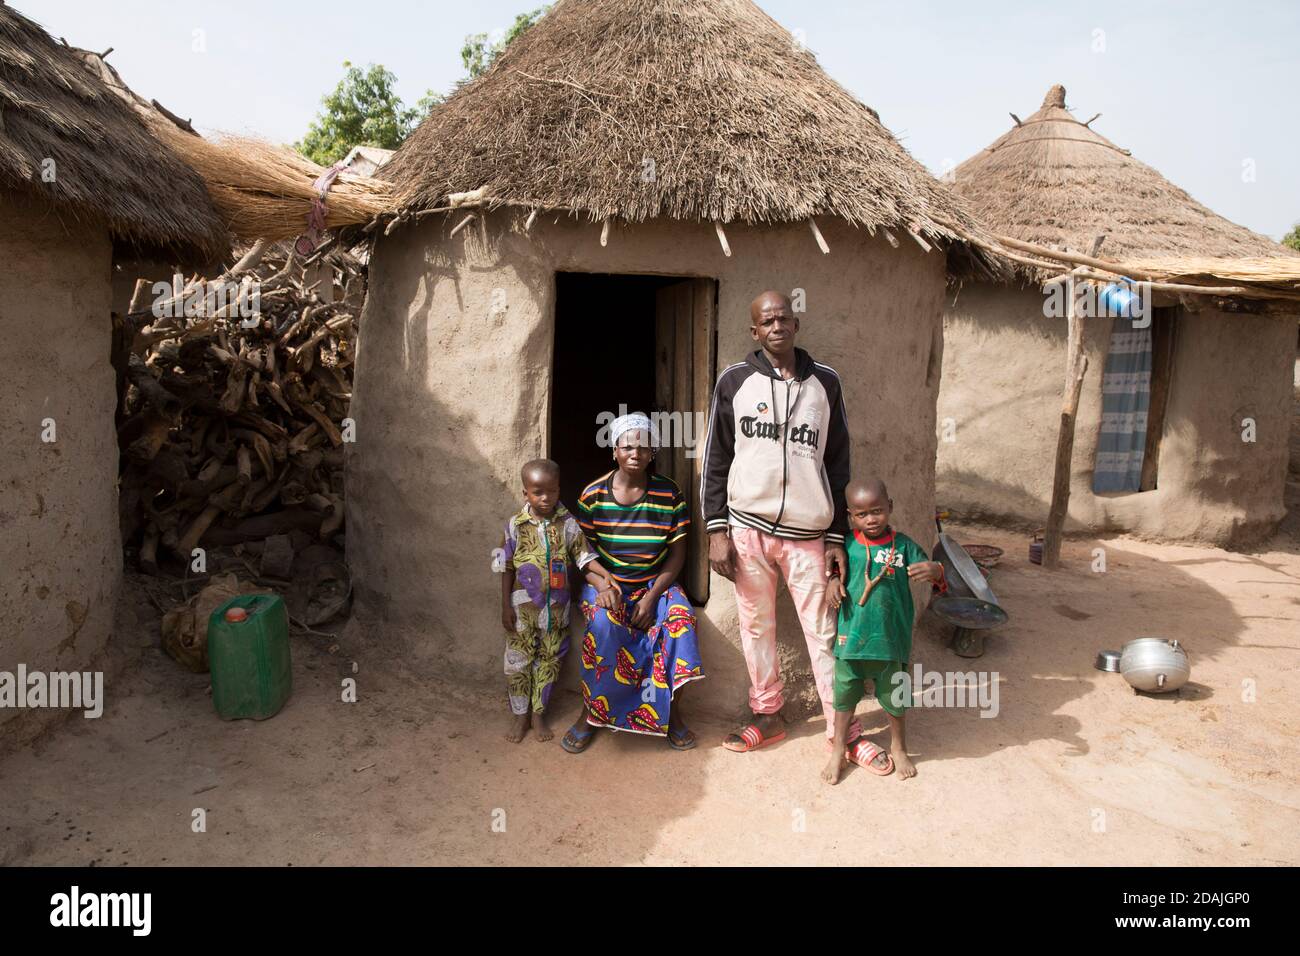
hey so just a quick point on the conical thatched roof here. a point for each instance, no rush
(1053, 181)
(107, 164)
(740, 122)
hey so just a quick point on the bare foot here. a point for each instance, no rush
(518, 728)
(831, 772)
(903, 765)
(541, 729)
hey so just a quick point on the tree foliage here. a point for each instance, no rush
(1292, 238)
(479, 51)
(364, 109)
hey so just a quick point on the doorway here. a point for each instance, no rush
(649, 343)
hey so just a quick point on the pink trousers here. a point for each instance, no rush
(759, 558)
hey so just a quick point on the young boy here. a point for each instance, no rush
(874, 637)
(541, 542)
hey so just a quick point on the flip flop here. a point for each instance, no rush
(576, 743)
(751, 738)
(685, 741)
(863, 751)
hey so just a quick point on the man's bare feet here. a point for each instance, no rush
(518, 727)
(541, 728)
(903, 765)
(831, 772)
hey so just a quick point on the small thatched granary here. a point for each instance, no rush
(1202, 455)
(646, 168)
(81, 180)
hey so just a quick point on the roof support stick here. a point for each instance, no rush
(462, 224)
(1076, 366)
(604, 233)
(817, 234)
(722, 238)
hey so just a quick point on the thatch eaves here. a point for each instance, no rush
(108, 167)
(695, 110)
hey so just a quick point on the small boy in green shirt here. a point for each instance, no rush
(874, 634)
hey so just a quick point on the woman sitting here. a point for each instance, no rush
(639, 648)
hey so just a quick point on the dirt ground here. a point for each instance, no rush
(1075, 768)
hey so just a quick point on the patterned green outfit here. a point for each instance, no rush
(540, 551)
(874, 642)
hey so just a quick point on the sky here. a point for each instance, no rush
(1206, 92)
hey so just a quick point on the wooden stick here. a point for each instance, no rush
(528, 223)
(890, 236)
(1074, 257)
(921, 242)
(722, 238)
(817, 234)
(462, 224)
(1076, 366)
(604, 233)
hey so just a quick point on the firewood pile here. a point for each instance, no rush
(231, 420)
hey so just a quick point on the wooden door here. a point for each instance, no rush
(685, 366)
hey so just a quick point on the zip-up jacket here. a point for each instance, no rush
(777, 454)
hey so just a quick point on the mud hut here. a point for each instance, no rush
(584, 227)
(81, 180)
(1202, 455)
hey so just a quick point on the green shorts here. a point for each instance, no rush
(849, 678)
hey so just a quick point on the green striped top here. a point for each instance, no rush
(632, 540)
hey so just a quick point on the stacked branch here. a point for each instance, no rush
(232, 412)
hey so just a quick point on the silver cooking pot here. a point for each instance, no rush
(1155, 664)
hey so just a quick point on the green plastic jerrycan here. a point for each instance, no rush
(248, 654)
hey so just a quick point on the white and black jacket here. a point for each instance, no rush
(777, 455)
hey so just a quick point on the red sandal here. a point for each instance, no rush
(751, 738)
(862, 751)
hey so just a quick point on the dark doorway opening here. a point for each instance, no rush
(647, 343)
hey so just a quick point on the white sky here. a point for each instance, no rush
(1199, 90)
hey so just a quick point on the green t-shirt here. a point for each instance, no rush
(880, 630)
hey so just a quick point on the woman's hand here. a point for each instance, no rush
(643, 616)
(608, 598)
(508, 618)
(931, 571)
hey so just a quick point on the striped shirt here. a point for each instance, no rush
(632, 540)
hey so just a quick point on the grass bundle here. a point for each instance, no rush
(264, 191)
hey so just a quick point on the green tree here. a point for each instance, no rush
(478, 53)
(1292, 238)
(363, 110)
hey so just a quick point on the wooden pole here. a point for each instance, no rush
(1076, 366)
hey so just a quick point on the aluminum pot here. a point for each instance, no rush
(1155, 664)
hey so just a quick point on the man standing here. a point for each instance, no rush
(776, 463)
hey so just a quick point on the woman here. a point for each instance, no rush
(639, 648)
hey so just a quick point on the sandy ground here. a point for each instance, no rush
(1075, 769)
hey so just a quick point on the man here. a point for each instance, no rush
(776, 463)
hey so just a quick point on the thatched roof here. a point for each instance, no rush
(1054, 181)
(108, 167)
(741, 123)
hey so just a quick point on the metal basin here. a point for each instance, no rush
(969, 602)
(1108, 661)
(1154, 664)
